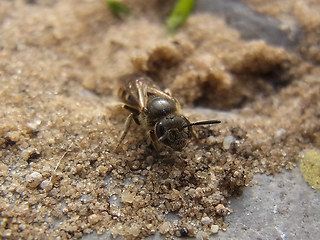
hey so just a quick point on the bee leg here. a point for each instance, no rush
(194, 134)
(124, 133)
(168, 92)
(154, 140)
(160, 93)
(142, 95)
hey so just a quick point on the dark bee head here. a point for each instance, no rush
(172, 132)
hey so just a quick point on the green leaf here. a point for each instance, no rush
(180, 14)
(119, 9)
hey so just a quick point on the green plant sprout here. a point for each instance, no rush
(179, 14)
(119, 9)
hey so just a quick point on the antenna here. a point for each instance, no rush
(202, 123)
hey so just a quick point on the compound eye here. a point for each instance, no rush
(160, 130)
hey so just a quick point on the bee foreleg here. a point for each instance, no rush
(194, 134)
(154, 140)
(124, 133)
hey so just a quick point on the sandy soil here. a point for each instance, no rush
(59, 65)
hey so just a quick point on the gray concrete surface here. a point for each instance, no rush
(282, 206)
(252, 25)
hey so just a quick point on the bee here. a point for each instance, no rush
(155, 110)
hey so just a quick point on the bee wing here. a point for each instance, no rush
(134, 89)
